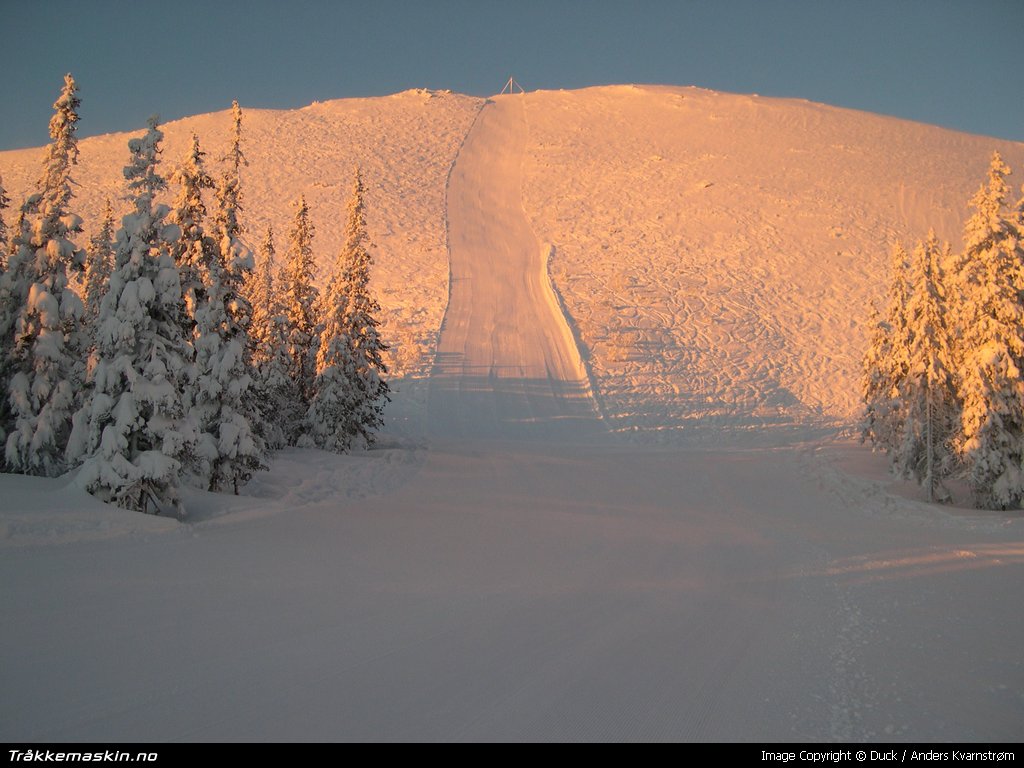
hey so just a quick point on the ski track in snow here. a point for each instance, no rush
(502, 566)
(506, 359)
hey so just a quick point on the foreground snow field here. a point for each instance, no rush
(507, 564)
(523, 590)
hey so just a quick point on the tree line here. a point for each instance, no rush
(942, 385)
(165, 353)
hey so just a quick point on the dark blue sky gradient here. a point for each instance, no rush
(955, 63)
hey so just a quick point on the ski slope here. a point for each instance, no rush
(404, 143)
(507, 363)
(505, 566)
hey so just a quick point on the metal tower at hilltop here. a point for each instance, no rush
(510, 87)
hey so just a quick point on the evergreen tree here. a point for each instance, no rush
(265, 305)
(5, 311)
(350, 391)
(4, 245)
(195, 251)
(131, 434)
(226, 397)
(194, 254)
(229, 192)
(991, 385)
(278, 397)
(14, 283)
(236, 258)
(301, 297)
(886, 362)
(225, 401)
(46, 313)
(928, 393)
(99, 263)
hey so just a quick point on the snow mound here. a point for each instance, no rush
(40, 511)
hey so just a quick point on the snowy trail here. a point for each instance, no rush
(506, 361)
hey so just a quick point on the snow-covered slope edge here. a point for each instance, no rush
(719, 253)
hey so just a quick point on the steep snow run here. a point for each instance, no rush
(506, 360)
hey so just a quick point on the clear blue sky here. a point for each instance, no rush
(956, 63)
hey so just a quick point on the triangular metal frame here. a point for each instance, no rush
(510, 87)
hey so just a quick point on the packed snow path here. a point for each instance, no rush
(506, 364)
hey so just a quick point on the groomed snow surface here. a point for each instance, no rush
(507, 564)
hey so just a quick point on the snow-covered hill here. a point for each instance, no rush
(713, 258)
(717, 254)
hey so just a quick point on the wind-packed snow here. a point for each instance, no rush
(503, 565)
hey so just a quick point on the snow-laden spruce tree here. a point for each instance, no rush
(229, 191)
(230, 448)
(43, 312)
(99, 263)
(237, 260)
(886, 363)
(991, 385)
(928, 392)
(278, 397)
(226, 404)
(131, 435)
(301, 296)
(350, 390)
(194, 254)
(5, 201)
(195, 250)
(13, 290)
(266, 305)
(985, 231)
